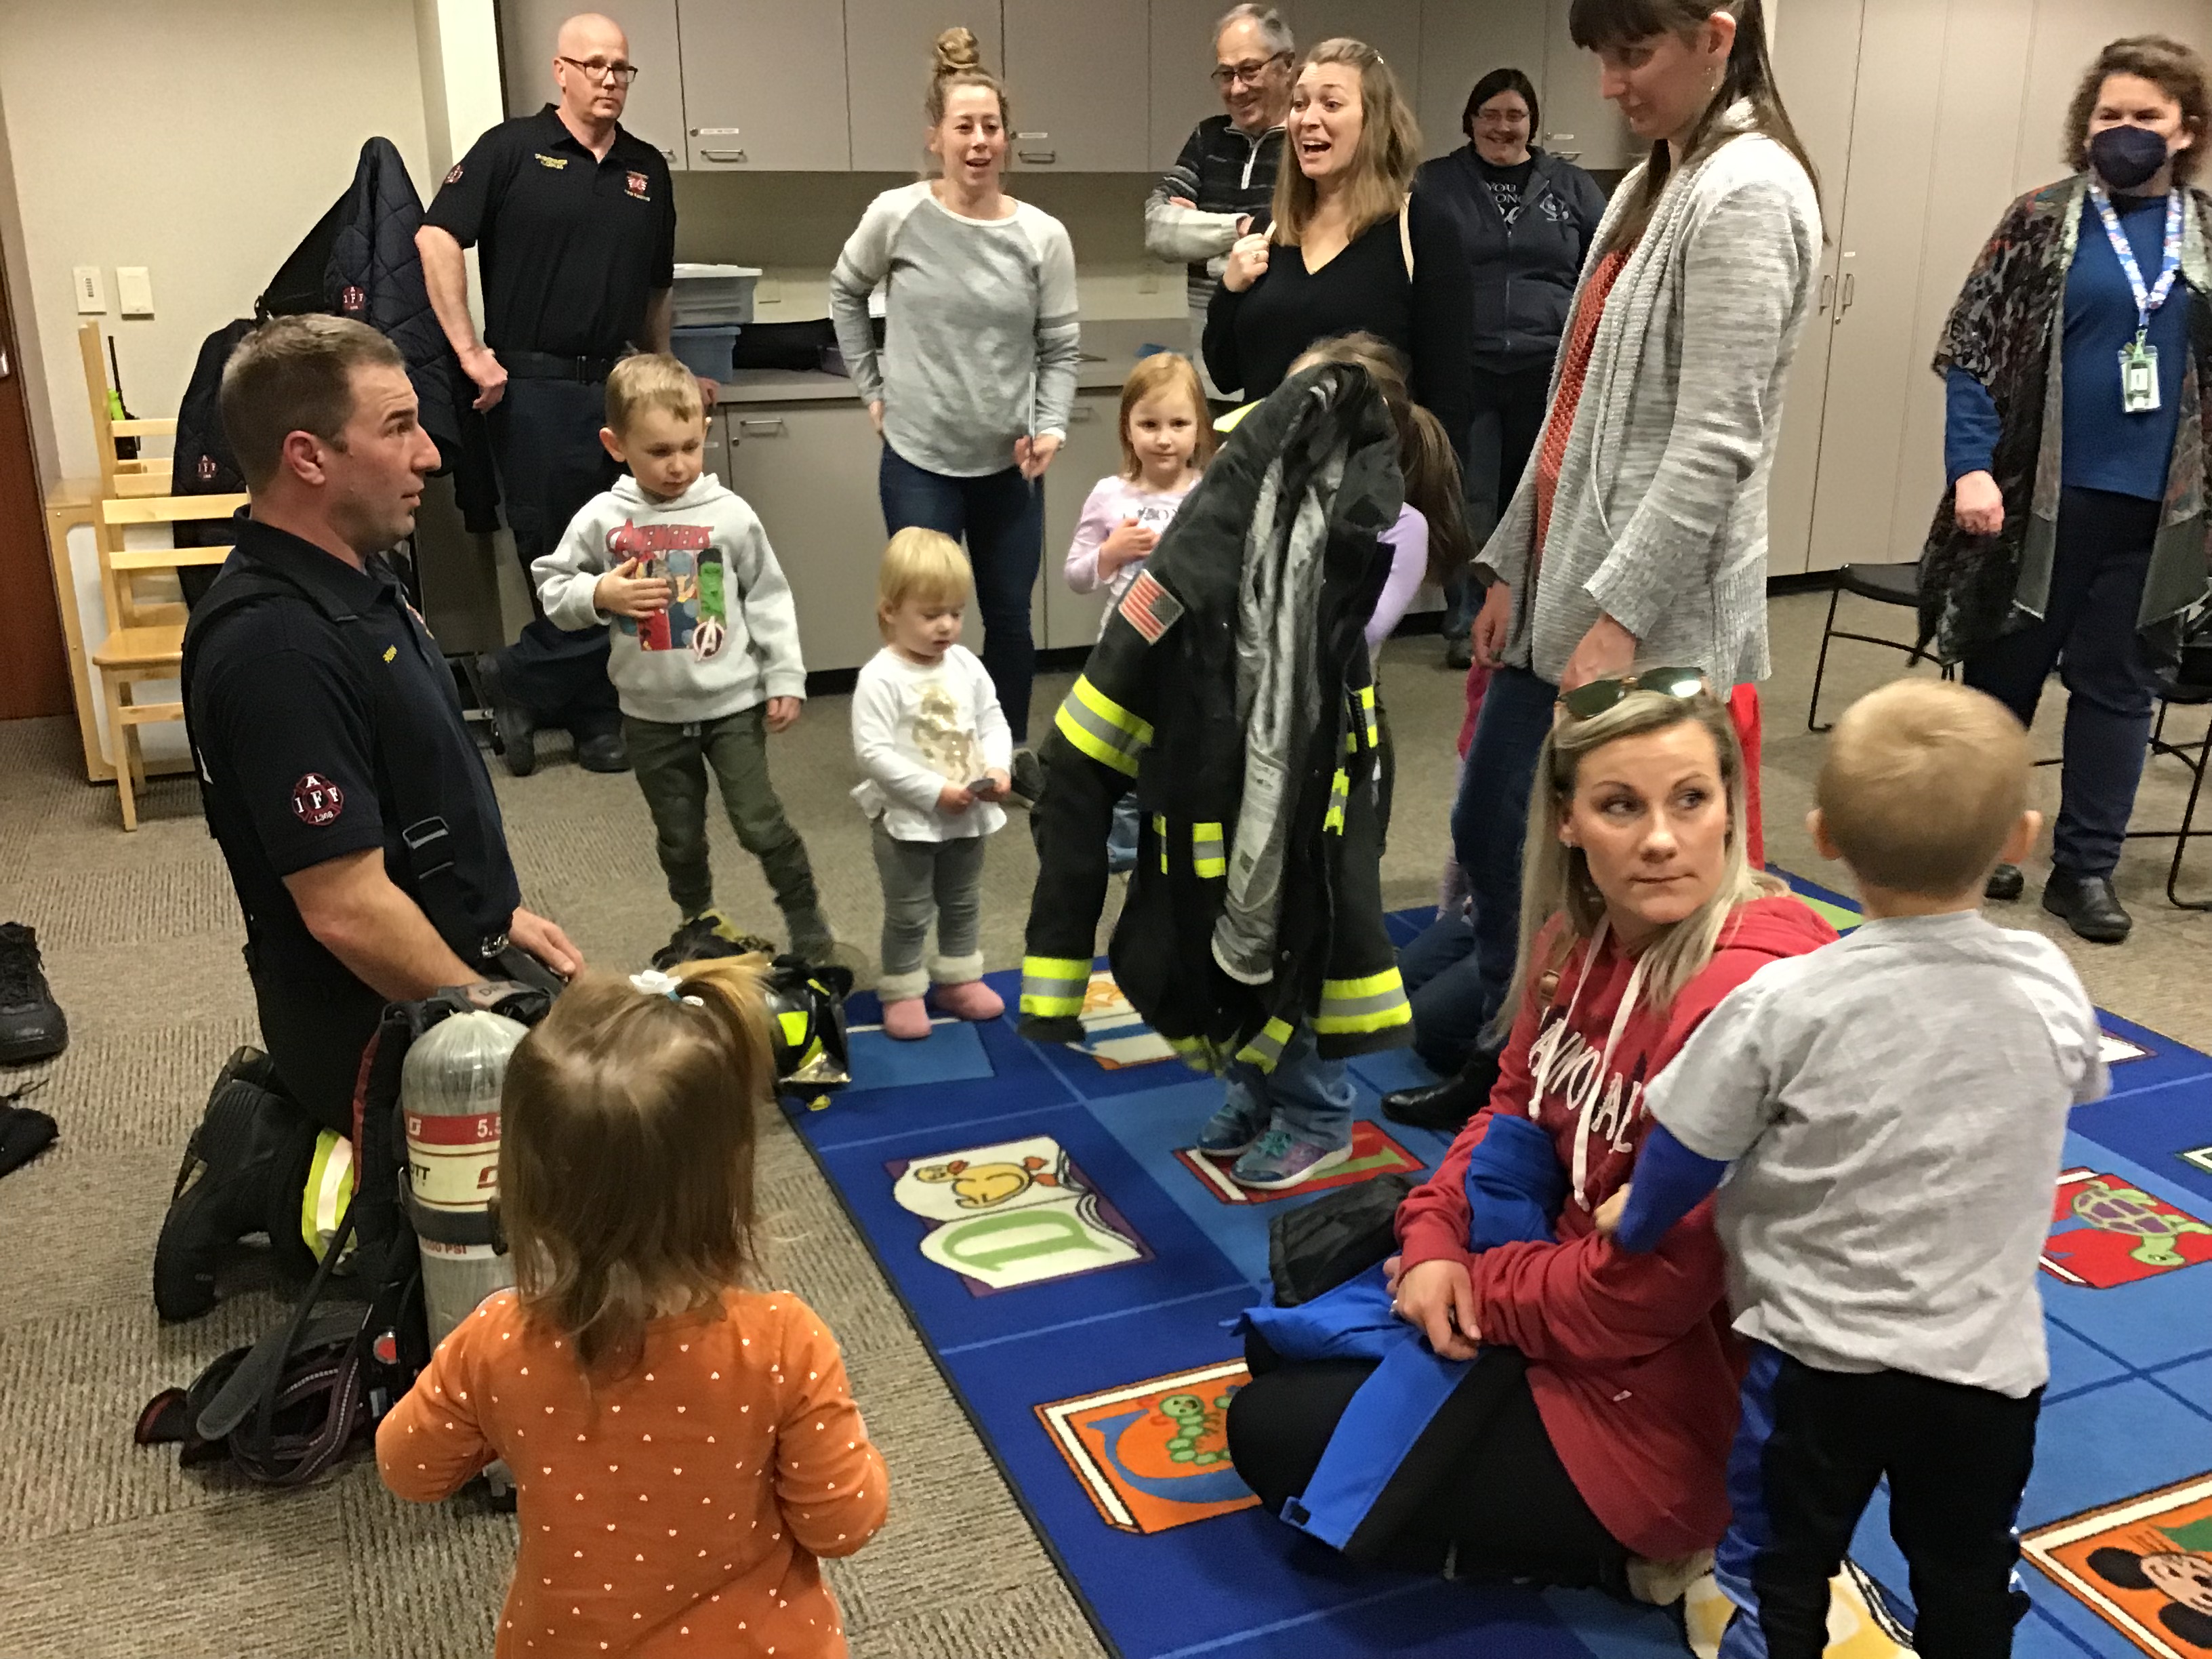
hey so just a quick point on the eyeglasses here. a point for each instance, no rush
(619, 75)
(1589, 701)
(1228, 75)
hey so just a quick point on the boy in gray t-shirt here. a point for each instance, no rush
(1888, 1112)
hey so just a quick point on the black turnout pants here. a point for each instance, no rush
(1482, 1488)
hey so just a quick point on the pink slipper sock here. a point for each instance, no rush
(906, 1020)
(970, 1000)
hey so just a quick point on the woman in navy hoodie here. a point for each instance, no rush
(1526, 219)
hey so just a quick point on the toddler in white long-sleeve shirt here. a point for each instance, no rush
(935, 746)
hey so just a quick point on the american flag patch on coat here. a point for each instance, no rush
(1149, 608)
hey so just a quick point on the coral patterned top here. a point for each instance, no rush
(678, 1510)
(1559, 423)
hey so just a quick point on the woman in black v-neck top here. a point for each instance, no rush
(1355, 147)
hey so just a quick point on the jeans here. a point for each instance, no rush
(545, 438)
(1508, 418)
(1309, 1096)
(2108, 663)
(1490, 820)
(1445, 988)
(672, 764)
(1121, 836)
(921, 879)
(1002, 516)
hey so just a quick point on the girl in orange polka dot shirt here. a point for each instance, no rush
(684, 1450)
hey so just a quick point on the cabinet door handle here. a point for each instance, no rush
(1082, 412)
(723, 155)
(1847, 294)
(1038, 158)
(1029, 137)
(1827, 293)
(769, 427)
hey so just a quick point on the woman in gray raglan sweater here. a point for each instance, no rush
(1639, 532)
(970, 393)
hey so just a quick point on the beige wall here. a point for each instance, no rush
(202, 141)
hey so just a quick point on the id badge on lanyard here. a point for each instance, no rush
(2139, 392)
(2138, 376)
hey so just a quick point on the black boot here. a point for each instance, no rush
(2005, 883)
(600, 748)
(31, 1022)
(2089, 905)
(245, 1169)
(1448, 1105)
(510, 717)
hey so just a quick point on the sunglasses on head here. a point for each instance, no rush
(1588, 701)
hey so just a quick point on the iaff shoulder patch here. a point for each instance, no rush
(1149, 608)
(316, 801)
(454, 177)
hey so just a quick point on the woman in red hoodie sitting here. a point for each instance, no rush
(1585, 1437)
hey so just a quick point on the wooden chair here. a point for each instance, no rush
(145, 639)
(142, 477)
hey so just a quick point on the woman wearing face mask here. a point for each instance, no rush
(1640, 527)
(970, 393)
(1346, 253)
(2079, 545)
(1587, 1440)
(1526, 219)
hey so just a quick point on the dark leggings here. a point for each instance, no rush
(1482, 1488)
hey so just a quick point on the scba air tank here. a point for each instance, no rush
(449, 1093)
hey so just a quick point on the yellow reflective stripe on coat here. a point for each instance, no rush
(1101, 728)
(1206, 854)
(1267, 1046)
(329, 1190)
(1160, 839)
(1053, 987)
(1339, 796)
(1371, 1004)
(1367, 715)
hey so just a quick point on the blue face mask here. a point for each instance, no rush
(2125, 156)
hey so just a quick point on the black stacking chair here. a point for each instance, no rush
(2187, 685)
(1885, 584)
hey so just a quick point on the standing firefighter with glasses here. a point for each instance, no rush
(576, 223)
(1226, 173)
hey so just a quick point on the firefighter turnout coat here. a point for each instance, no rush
(1232, 690)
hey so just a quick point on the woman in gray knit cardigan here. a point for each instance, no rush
(1639, 532)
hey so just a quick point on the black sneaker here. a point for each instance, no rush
(2005, 884)
(244, 1170)
(32, 1025)
(1445, 1106)
(1028, 775)
(602, 751)
(518, 733)
(2089, 905)
(1459, 653)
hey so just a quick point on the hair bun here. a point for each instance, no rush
(957, 51)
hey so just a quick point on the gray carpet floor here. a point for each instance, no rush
(108, 1551)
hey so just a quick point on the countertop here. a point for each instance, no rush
(1109, 347)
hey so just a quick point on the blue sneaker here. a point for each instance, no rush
(1280, 1159)
(1234, 1129)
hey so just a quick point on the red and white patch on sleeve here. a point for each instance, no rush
(1149, 608)
(317, 801)
(454, 177)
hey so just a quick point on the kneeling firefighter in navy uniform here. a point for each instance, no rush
(352, 807)
(1232, 688)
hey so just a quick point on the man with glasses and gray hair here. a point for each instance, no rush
(576, 223)
(1226, 173)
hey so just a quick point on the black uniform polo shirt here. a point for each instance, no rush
(573, 246)
(320, 738)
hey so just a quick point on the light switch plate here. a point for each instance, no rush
(133, 291)
(91, 291)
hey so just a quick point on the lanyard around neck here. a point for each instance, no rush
(2147, 300)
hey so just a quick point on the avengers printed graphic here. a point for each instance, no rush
(684, 555)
